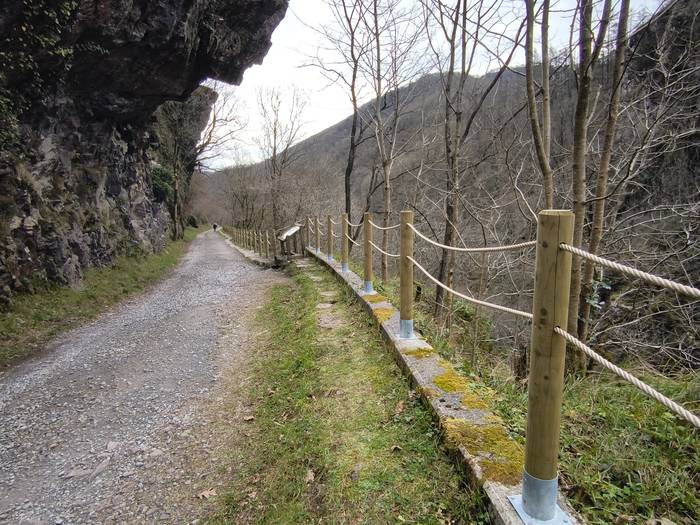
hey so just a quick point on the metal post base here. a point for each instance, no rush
(560, 517)
(369, 288)
(344, 268)
(538, 502)
(406, 329)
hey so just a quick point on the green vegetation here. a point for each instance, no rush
(624, 458)
(338, 436)
(33, 319)
(33, 54)
(622, 454)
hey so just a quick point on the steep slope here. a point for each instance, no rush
(79, 83)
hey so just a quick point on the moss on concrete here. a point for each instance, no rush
(383, 314)
(504, 457)
(419, 353)
(374, 298)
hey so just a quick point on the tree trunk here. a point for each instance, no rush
(603, 171)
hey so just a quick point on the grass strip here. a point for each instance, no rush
(338, 435)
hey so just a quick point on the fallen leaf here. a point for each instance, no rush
(401, 518)
(248, 418)
(210, 493)
(310, 476)
(396, 448)
(399, 408)
(355, 474)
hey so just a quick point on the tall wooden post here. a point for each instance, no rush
(317, 227)
(406, 251)
(547, 352)
(367, 234)
(329, 239)
(267, 244)
(274, 245)
(296, 242)
(307, 232)
(344, 250)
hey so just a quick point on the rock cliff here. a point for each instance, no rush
(79, 84)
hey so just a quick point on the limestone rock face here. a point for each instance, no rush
(81, 191)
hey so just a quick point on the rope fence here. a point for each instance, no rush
(425, 272)
(475, 250)
(633, 272)
(384, 227)
(649, 391)
(382, 251)
(548, 341)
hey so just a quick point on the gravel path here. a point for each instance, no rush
(116, 422)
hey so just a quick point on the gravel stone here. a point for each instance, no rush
(102, 426)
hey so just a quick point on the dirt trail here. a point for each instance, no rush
(117, 421)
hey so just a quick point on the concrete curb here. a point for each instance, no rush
(477, 437)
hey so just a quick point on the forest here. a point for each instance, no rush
(606, 126)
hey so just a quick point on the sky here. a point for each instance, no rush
(294, 42)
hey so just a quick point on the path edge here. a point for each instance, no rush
(422, 365)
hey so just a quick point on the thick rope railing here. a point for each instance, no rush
(633, 272)
(311, 229)
(352, 241)
(527, 315)
(649, 391)
(335, 235)
(502, 248)
(383, 227)
(382, 251)
(332, 221)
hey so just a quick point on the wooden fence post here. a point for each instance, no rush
(267, 244)
(406, 251)
(367, 234)
(274, 245)
(317, 226)
(547, 353)
(307, 232)
(344, 244)
(329, 239)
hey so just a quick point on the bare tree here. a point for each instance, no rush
(192, 134)
(282, 114)
(347, 43)
(457, 33)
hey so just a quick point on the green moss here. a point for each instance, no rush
(383, 314)
(420, 353)
(374, 298)
(452, 381)
(506, 457)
